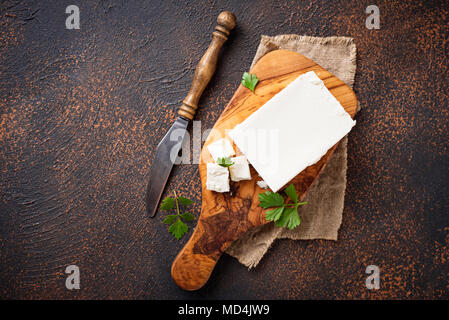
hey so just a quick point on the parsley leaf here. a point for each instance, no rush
(178, 229)
(177, 226)
(170, 219)
(284, 215)
(168, 204)
(187, 217)
(270, 199)
(274, 215)
(225, 162)
(185, 201)
(291, 193)
(249, 81)
(290, 219)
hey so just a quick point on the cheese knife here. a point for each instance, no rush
(168, 149)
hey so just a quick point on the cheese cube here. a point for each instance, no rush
(292, 130)
(217, 178)
(262, 184)
(240, 169)
(220, 149)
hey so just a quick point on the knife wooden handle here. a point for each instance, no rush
(206, 66)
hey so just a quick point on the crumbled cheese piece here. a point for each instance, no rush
(220, 149)
(292, 130)
(217, 178)
(240, 169)
(262, 184)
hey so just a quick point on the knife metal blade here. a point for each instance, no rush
(166, 154)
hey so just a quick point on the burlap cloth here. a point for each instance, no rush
(322, 217)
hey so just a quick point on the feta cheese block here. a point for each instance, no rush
(240, 169)
(220, 149)
(217, 178)
(292, 130)
(262, 184)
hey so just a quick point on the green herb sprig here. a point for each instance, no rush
(284, 215)
(225, 162)
(176, 221)
(249, 81)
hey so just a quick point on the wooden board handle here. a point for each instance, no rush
(223, 219)
(207, 65)
(193, 266)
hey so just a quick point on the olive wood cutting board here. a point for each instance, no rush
(226, 216)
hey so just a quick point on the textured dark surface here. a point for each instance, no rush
(82, 112)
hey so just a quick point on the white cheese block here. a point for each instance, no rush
(292, 130)
(220, 149)
(262, 184)
(240, 169)
(217, 178)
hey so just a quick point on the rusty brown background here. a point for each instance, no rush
(82, 112)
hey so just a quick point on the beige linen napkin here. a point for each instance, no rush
(321, 218)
